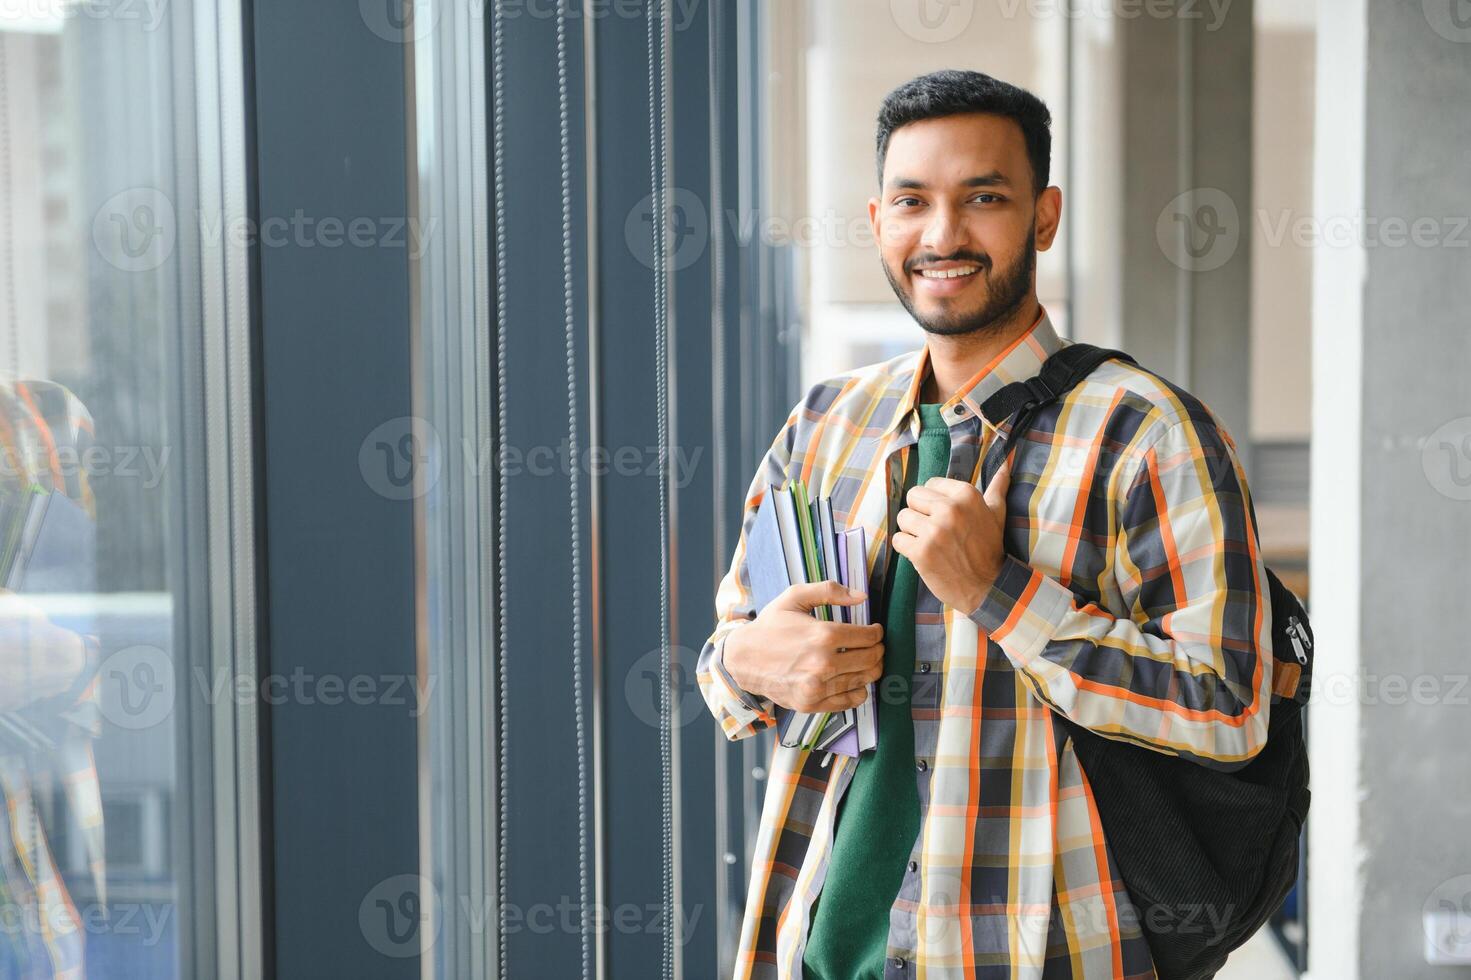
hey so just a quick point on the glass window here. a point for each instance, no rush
(113, 288)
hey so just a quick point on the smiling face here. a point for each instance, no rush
(957, 221)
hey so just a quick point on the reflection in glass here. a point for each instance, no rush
(49, 711)
(103, 590)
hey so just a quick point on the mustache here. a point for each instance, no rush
(979, 258)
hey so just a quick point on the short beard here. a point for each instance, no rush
(1009, 291)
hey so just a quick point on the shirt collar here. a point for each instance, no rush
(1022, 359)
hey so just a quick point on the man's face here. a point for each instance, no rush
(957, 222)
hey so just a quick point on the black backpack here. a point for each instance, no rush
(1207, 855)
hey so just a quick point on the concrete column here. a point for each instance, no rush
(1391, 496)
(1187, 175)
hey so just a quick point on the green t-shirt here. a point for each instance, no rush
(878, 820)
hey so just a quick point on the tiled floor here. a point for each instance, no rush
(1259, 959)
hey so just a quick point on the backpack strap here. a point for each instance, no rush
(1021, 400)
(1059, 374)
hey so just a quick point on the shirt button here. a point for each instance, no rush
(913, 866)
(924, 668)
(923, 765)
(960, 409)
(898, 963)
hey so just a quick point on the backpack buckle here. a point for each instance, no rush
(1039, 390)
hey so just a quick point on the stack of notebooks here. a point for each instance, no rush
(792, 541)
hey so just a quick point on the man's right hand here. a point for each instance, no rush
(801, 662)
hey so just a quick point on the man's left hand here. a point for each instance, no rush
(952, 533)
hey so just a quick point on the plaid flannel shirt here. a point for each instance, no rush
(1133, 601)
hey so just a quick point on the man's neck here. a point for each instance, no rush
(956, 359)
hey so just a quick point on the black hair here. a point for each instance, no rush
(951, 92)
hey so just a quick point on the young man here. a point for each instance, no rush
(1108, 574)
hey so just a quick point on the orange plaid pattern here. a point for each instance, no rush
(1133, 602)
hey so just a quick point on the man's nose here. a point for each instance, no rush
(945, 232)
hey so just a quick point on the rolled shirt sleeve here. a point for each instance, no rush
(740, 712)
(1188, 672)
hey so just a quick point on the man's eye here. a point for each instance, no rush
(986, 198)
(905, 202)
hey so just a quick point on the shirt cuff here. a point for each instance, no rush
(760, 706)
(1023, 610)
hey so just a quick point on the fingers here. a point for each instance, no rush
(940, 506)
(911, 520)
(841, 701)
(857, 660)
(937, 488)
(921, 498)
(934, 492)
(859, 678)
(807, 596)
(996, 492)
(839, 681)
(853, 636)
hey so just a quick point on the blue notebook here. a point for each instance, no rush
(766, 561)
(770, 571)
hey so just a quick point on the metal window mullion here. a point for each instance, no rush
(230, 476)
(480, 508)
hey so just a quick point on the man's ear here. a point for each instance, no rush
(1049, 215)
(874, 221)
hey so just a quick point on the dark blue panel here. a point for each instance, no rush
(544, 863)
(338, 550)
(694, 531)
(632, 536)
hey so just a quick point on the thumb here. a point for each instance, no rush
(996, 493)
(808, 596)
